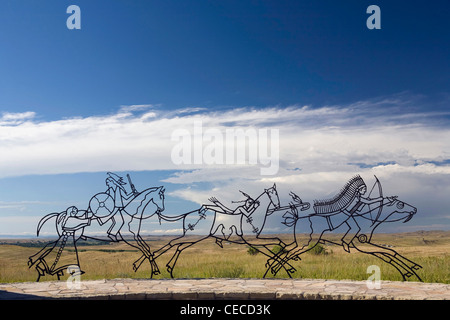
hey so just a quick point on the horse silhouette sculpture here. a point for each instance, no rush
(242, 225)
(117, 215)
(355, 216)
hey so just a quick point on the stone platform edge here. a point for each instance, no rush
(221, 288)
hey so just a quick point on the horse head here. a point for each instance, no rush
(273, 196)
(394, 209)
(158, 199)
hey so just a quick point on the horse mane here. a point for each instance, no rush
(138, 204)
(340, 200)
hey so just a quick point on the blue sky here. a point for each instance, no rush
(217, 53)
(77, 103)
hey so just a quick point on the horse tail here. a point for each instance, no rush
(180, 216)
(45, 219)
(174, 218)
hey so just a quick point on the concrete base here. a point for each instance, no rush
(236, 289)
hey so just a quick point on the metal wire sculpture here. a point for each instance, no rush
(355, 215)
(113, 209)
(120, 210)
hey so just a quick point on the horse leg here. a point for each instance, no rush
(277, 261)
(165, 248)
(296, 248)
(144, 246)
(171, 264)
(411, 264)
(145, 256)
(277, 257)
(269, 253)
(401, 259)
(145, 249)
(295, 252)
(155, 255)
(280, 260)
(134, 228)
(157, 252)
(272, 241)
(391, 257)
(149, 257)
(137, 264)
(41, 254)
(280, 257)
(40, 270)
(180, 247)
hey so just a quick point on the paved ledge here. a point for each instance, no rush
(260, 289)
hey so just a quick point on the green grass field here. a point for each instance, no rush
(206, 259)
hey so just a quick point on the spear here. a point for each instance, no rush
(132, 185)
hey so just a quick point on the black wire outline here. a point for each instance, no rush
(71, 223)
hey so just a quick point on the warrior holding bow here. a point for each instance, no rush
(345, 206)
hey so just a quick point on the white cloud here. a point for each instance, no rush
(8, 225)
(136, 107)
(10, 119)
(135, 138)
(138, 139)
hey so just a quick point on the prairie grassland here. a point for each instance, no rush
(431, 250)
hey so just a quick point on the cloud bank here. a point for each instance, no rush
(363, 134)
(407, 148)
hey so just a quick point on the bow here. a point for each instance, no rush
(380, 192)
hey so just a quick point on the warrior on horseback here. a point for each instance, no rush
(352, 212)
(112, 209)
(249, 206)
(117, 192)
(343, 208)
(246, 209)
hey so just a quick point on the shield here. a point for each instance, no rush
(101, 205)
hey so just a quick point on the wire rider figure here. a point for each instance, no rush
(345, 206)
